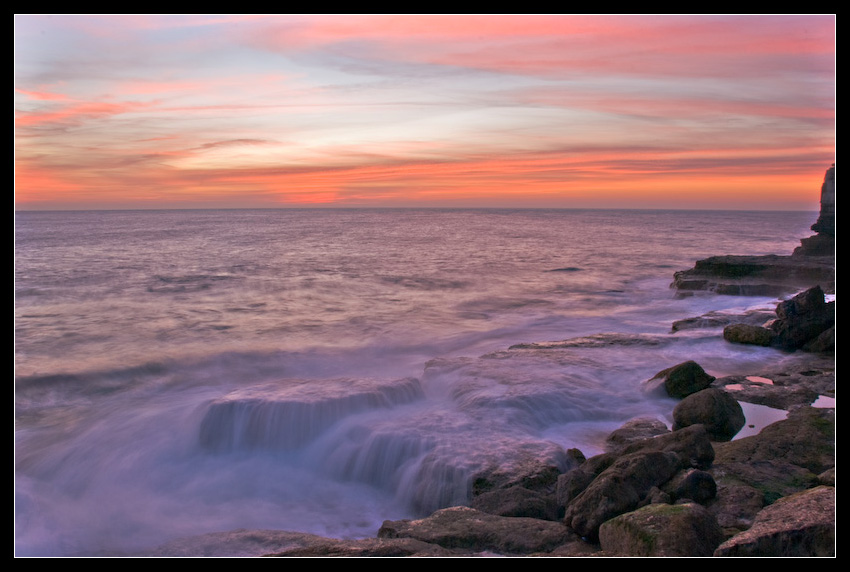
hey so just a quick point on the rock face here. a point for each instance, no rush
(812, 263)
(823, 243)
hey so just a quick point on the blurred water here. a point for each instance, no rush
(181, 372)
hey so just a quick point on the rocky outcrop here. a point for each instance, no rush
(768, 275)
(823, 243)
(786, 388)
(812, 263)
(806, 321)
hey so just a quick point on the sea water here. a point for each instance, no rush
(180, 372)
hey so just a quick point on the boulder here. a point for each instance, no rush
(517, 501)
(735, 506)
(680, 380)
(802, 319)
(802, 524)
(469, 529)
(719, 412)
(691, 484)
(823, 343)
(692, 445)
(574, 481)
(748, 334)
(681, 530)
(634, 430)
(619, 489)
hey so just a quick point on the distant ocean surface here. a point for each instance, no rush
(179, 372)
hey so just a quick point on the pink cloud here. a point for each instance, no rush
(557, 44)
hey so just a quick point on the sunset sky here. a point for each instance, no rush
(220, 111)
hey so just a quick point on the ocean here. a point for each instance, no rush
(180, 372)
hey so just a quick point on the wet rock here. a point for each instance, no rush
(619, 489)
(773, 478)
(767, 275)
(754, 317)
(691, 444)
(691, 484)
(806, 321)
(680, 380)
(748, 334)
(367, 547)
(785, 389)
(735, 506)
(721, 319)
(662, 530)
(574, 481)
(719, 412)
(823, 343)
(529, 471)
(805, 439)
(802, 524)
(802, 319)
(634, 430)
(259, 542)
(469, 529)
(517, 501)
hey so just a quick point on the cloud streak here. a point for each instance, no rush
(254, 111)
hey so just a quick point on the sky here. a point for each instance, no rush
(528, 111)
